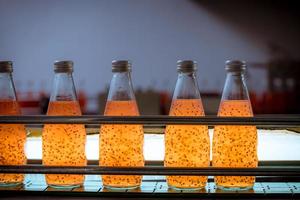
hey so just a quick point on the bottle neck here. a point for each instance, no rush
(186, 86)
(121, 87)
(63, 88)
(235, 87)
(7, 88)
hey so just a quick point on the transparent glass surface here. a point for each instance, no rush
(64, 144)
(186, 145)
(235, 146)
(12, 136)
(121, 145)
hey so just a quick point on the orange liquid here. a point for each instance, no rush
(235, 146)
(64, 144)
(121, 145)
(186, 145)
(12, 141)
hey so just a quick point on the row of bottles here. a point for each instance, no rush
(121, 145)
(189, 145)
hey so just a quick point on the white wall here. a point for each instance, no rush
(153, 34)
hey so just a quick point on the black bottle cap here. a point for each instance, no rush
(235, 66)
(63, 66)
(121, 66)
(186, 66)
(6, 66)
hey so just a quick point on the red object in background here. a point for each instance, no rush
(267, 102)
(29, 103)
(254, 103)
(30, 106)
(164, 103)
(291, 102)
(274, 103)
(278, 103)
(82, 99)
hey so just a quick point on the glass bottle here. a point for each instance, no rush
(12, 136)
(235, 146)
(64, 144)
(121, 145)
(187, 145)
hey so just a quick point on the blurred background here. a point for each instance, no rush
(153, 34)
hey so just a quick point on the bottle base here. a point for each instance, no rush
(233, 188)
(186, 188)
(64, 186)
(112, 187)
(13, 184)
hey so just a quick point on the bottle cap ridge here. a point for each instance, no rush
(186, 66)
(121, 66)
(235, 65)
(6, 66)
(63, 66)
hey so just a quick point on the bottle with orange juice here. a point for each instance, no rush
(64, 144)
(121, 145)
(12, 136)
(235, 145)
(187, 145)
